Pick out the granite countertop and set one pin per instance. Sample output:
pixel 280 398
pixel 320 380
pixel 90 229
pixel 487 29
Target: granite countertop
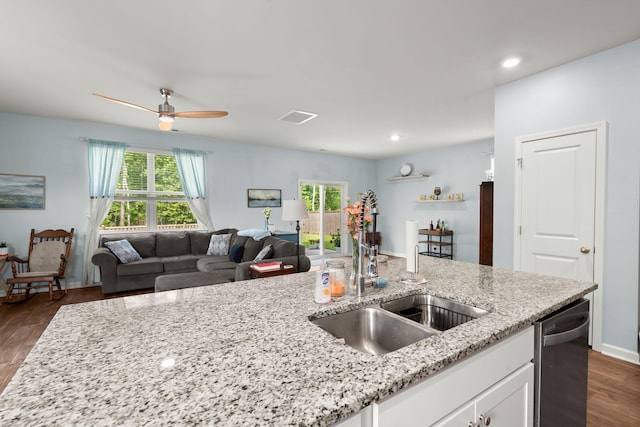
pixel 245 353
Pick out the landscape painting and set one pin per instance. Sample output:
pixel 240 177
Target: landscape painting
pixel 22 191
pixel 264 198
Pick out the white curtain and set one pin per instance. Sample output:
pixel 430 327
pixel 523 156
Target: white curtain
pixel 105 162
pixel 191 170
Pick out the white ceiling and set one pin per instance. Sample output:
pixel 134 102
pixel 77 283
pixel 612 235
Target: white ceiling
pixel 425 69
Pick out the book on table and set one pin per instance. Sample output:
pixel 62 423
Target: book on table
pixel 268 266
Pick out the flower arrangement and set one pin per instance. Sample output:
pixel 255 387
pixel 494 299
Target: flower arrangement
pixel 267 215
pixel 353 218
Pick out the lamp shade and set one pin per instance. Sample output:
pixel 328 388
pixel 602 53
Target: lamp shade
pixel 294 210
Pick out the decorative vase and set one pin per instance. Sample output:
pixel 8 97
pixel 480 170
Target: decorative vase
pixel 266 224
pixel 354 266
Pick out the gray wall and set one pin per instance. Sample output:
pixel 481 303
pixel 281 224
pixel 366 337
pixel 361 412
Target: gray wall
pixel 601 87
pixel 39 146
pixel 457 169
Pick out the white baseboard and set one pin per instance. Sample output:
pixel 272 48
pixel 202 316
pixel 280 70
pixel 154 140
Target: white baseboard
pixel 621 353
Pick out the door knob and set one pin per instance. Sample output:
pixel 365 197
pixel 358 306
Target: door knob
pixel 585 250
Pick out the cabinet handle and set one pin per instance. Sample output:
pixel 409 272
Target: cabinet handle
pixel 485 419
pixel 472 424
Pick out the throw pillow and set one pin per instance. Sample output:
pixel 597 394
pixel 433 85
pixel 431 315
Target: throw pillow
pixel 123 250
pixel 265 253
pixel 219 244
pixel 236 252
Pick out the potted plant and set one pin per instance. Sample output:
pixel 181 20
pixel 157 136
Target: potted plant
pixel 4 249
pixel 335 238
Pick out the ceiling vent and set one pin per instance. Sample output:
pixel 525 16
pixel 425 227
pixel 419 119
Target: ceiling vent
pixel 298 117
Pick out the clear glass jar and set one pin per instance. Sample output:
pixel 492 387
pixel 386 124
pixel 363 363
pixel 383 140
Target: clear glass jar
pixel 383 267
pixel 336 277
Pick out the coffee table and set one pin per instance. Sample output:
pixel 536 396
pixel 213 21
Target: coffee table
pixel 285 269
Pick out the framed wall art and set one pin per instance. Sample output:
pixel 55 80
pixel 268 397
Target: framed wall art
pixel 22 191
pixel 263 198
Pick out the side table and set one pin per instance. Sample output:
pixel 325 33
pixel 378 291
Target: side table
pixel 285 269
pixel 291 236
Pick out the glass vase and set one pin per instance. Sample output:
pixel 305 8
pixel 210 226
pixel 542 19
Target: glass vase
pixel 354 266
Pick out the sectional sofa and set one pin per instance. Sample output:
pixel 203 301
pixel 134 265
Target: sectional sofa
pixel 170 253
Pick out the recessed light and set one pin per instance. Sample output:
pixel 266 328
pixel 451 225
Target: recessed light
pixel 511 62
pixel 395 137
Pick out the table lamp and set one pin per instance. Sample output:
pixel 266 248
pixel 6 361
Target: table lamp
pixel 295 210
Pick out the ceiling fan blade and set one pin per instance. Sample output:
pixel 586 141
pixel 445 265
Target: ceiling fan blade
pixel 128 104
pixel 200 114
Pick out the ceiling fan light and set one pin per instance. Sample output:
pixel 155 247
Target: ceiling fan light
pixel 163 125
pixel 165 118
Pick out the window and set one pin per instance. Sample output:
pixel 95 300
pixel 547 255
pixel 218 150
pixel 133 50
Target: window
pixel 149 195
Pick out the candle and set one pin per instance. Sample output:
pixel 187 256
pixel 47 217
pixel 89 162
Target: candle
pixel 411 240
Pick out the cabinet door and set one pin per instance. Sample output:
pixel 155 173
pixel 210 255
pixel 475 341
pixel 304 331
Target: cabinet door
pixel 508 403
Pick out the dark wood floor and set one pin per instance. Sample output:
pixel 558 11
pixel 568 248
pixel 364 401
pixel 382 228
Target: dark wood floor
pixel 614 385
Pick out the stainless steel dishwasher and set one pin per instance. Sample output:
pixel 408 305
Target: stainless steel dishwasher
pixel 561 367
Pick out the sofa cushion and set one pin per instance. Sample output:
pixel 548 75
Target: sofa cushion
pixel 180 263
pixel 199 241
pixel 144 243
pixel 146 266
pixel 251 249
pixel 123 250
pixel 235 253
pixel 281 248
pixel 215 263
pixel 239 240
pixel 172 244
pixel 219 244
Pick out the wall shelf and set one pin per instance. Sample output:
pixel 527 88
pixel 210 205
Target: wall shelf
pixel 439 201
pixel 413 176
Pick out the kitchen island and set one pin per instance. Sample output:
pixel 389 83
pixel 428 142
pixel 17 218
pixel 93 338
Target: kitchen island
pixel 245 353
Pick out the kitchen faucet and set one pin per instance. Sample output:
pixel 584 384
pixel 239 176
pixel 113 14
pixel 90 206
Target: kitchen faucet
pixel 369 277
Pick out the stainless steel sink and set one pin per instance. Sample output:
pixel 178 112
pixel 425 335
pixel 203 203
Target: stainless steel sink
pixel 373 330
pixel 433 312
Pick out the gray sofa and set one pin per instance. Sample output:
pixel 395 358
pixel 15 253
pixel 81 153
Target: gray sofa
pixel 165 253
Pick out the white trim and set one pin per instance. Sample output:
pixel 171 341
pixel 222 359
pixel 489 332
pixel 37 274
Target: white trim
pixel 599 219
pixel 621 353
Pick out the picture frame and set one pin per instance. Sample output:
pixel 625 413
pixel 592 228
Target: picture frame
pixel 264 198
pixel 22 191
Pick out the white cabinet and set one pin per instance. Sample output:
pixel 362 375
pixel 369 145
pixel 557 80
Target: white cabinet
pixel 506 404
pixel 497 381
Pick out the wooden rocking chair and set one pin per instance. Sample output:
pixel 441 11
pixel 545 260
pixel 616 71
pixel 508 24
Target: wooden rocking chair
pixel 47 261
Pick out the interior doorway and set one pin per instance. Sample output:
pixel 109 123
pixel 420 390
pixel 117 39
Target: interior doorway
pixel 323 233
pixel 559 205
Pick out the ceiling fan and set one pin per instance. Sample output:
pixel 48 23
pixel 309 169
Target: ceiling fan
pixel 166 113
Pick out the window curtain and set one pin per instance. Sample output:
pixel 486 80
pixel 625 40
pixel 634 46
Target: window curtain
pixel 105 163
pixel 191 170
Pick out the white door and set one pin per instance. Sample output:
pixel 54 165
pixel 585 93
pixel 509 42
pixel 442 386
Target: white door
pixel 558 202
pixel 560 208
